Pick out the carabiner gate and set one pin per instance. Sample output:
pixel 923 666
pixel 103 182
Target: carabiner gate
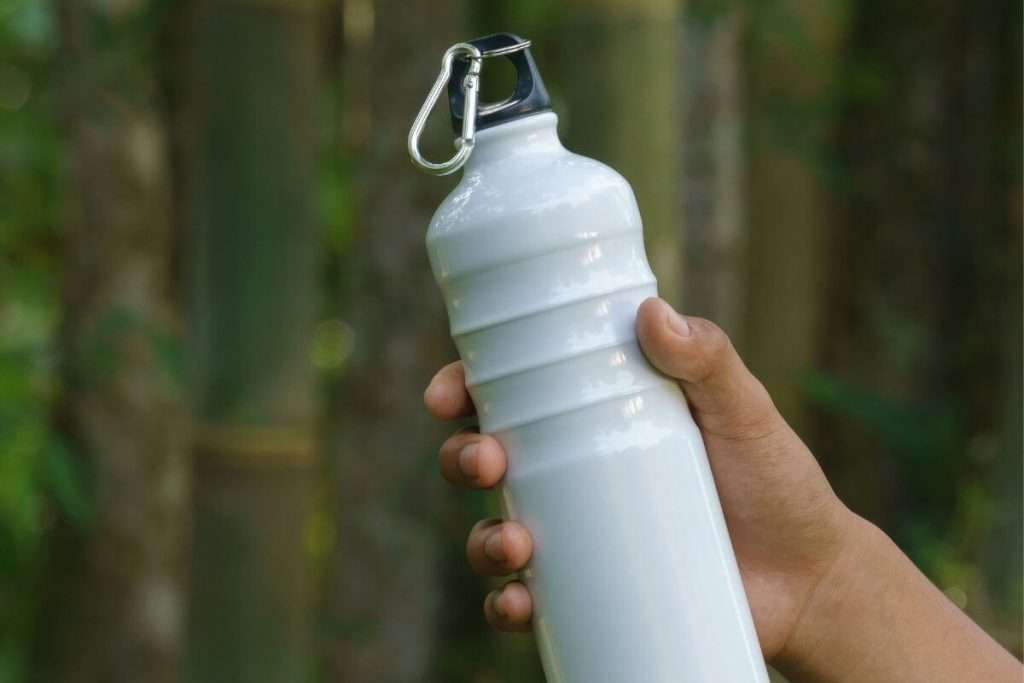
pixel 471 88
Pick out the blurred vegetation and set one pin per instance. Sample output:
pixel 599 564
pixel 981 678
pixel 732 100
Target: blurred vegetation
pixel 838 183
pixel 36 472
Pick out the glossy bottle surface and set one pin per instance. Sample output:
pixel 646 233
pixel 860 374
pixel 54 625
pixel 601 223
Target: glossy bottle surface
pixel 539 254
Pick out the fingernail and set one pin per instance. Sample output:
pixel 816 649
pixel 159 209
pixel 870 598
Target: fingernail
pixel 677 323
pixel 494 548
pixel 469 460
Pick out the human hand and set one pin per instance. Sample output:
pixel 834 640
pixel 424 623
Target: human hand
pixel 786 524
pixel 833 599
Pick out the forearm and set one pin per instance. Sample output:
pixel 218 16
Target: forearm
pixel 875 618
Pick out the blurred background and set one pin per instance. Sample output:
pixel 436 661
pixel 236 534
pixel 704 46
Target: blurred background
pixel 217 317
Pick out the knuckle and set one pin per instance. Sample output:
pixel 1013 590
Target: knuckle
pixel 447 464
pixel 718 342
pixel 447 473
pixel 495 619
pixel 762 414
pixel 475 556
pixel 717 350
pixel 454 442
pixel 481 526
pixel 447 448
pixel 477 537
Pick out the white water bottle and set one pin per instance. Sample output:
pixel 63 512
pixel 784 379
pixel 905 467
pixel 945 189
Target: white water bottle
pixel 539 254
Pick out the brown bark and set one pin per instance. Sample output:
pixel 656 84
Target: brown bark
pixel 623 107
pixel 249 147
pixel 790 71
pixel 714 164
pixel 925 295
pixel 120 614
pixel 384 615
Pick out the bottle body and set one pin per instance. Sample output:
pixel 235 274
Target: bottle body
pixel 539 254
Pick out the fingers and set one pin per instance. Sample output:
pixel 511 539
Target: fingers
pixel 725 397
pixel 446 397
pixel 510 608
pixel 496 548
pixel 472 460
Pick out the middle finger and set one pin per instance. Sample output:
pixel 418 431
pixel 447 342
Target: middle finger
pixel 472 460
pixel 496 548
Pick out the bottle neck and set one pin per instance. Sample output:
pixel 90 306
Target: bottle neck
pixel 530 135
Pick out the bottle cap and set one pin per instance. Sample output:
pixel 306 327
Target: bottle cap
pixel 529 97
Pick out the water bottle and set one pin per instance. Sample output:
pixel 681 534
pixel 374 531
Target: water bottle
pixel 540 257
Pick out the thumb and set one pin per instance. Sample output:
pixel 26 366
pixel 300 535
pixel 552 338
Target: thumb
pixel 725 398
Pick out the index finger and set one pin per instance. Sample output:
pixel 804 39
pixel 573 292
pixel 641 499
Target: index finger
pixel 446 397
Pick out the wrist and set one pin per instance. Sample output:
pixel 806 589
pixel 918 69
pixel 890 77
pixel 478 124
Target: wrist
pixel 819 643
pixel 874 617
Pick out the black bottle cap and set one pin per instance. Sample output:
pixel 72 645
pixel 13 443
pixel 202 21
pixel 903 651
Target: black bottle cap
pixel 529 96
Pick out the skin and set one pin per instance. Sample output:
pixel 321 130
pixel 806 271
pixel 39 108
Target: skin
pixel 833 599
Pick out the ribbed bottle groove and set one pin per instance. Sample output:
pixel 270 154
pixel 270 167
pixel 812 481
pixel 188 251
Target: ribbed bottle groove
pixel 493 428
pixel 522 288
pixel 527 312
pixel 473 382
pixel 593 236
pixel 581 380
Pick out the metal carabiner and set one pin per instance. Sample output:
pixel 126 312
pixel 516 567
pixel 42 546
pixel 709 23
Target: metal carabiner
pixel 471 88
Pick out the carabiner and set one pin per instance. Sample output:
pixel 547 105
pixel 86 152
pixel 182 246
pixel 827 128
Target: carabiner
pixel 471 87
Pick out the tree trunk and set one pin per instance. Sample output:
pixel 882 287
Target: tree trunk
pixel 926 306
pixel 791 73
pixel 384 615
pixel 253 84
pixel 714 193
pixel 120 612
pixel 624 107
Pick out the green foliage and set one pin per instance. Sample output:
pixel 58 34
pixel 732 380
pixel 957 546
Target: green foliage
pixel 38 477
pixel 949 512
